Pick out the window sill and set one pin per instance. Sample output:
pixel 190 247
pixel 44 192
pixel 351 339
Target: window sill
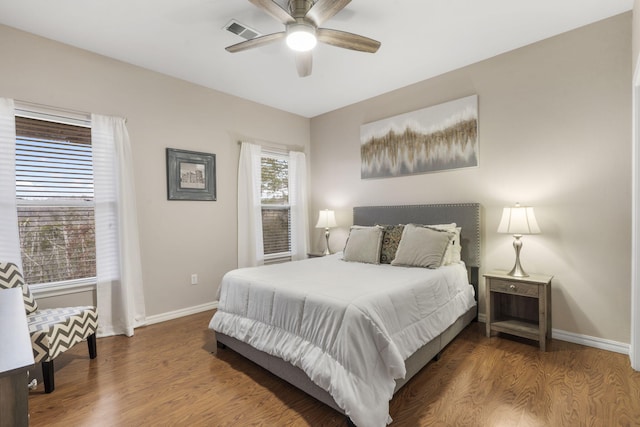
pixel 277 257
pixel 54 289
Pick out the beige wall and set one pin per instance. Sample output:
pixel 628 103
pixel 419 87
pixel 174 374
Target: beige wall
pixel 636 31
pixel 177 238
pixel 555 133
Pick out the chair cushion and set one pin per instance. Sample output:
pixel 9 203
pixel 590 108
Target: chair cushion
pixel 55 330
pixel 11 277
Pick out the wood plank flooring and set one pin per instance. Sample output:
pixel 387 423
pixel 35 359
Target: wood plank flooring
pixel 168 374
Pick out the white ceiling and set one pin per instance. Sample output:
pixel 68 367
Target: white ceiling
pixel 420 39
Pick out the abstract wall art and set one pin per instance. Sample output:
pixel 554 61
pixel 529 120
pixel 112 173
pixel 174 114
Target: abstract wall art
pixel 436 138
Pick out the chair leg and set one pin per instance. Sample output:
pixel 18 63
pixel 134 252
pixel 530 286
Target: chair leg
pixel 47 375
pixel 91 342
pixel 47 367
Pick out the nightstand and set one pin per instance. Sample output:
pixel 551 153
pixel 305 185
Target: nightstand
pixel 519 306
pixel 17 358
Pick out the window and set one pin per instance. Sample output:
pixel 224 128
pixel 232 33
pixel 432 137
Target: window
pixel 276 211
pixel 272 205
pixel 54 191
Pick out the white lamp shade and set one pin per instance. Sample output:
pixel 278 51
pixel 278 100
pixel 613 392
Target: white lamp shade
pixel 518 220
pixel 326 219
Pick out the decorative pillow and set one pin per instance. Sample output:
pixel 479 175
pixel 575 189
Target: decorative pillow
pixel 456 248
pixel 452 256
pixel 363 244
pixel 422 247
pixel 390 239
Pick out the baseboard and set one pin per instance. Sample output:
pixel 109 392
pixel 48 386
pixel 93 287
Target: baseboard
pixel 586 340
pixel 163 317
pixel 601 343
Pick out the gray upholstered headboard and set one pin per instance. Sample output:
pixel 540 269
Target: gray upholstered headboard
pixel 465 215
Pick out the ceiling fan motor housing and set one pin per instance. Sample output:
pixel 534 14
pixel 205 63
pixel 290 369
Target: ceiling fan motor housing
pixel 299 8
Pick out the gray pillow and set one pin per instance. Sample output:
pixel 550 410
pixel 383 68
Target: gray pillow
pixel 422 247
pixel 363 244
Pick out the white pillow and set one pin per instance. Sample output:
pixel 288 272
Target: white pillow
pixel 452 256
pixel 422 247
pixel 363 244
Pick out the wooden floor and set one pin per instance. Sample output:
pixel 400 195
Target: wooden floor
pixel 169 374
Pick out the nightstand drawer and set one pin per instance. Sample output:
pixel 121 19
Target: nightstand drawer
pixel 509 287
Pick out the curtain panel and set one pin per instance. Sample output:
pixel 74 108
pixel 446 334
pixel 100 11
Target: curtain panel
pixel 250 241
pixel 298 202
pixel 9 235
pixel 120 294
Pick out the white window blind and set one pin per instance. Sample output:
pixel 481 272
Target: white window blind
pixel 54 192
pixel 276 210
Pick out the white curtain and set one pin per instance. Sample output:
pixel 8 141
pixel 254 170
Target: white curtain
pixel 250 243
pixel 298 202
pixel 120 293
pixel 9 238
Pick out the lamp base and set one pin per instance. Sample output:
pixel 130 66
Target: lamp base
pixel 517 270
pixel 326 236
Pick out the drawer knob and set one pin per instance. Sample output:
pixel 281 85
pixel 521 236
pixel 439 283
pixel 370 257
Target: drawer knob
pixel 512 287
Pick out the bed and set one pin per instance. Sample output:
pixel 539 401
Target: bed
pixel 351 334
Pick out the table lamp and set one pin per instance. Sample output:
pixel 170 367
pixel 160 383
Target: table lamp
pixel 518 220
pixel 326 220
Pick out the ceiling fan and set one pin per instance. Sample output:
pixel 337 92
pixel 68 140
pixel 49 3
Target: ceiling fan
pixel 302 31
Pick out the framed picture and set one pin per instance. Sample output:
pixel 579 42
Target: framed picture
pixel 438 138
pixel 190 175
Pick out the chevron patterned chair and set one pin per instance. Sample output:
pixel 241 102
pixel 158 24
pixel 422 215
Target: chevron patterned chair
pixel 53 330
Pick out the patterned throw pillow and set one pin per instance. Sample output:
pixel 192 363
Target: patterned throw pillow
pixel 390 240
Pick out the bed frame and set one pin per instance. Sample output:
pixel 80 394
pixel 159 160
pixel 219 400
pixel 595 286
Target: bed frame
pixel 465 215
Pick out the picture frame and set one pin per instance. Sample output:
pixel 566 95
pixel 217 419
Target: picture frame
pixel 191 175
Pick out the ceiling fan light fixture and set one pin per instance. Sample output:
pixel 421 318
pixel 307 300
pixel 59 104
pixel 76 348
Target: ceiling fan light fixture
pixel 301 37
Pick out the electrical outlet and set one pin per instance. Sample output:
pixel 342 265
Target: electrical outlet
pixel 194 279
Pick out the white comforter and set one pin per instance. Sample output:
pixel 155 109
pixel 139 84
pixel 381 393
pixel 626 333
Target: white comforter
pixel 348 326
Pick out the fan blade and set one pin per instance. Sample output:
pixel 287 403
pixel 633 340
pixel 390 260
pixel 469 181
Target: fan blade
pixel 257 42
pixel 347 40
pixel 304 62
pixel 325 9
pixel 273 9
